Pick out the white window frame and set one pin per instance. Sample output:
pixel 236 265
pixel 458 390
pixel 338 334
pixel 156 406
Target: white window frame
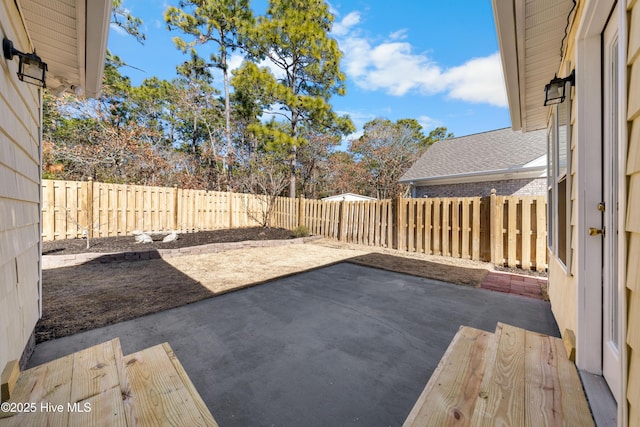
pixel 555 176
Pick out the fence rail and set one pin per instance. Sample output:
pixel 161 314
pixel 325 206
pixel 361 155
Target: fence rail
pixel 505 230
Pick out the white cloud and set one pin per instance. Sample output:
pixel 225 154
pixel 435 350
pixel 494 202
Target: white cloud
pixel 235 61
pixel 117 29
pixel 342 27
pixel 428 123
pixel 478 80
pixel 333 10
pixel 398 35
pixel 357 117
pixel 277 72
pixel 393 67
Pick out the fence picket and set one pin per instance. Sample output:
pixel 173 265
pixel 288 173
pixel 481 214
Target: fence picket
pixel 455 228
pixel 541 234
pixel 428 226
pixel 512 232
pixel 475 229
pixel 437 206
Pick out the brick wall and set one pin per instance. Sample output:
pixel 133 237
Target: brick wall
pixel 509 187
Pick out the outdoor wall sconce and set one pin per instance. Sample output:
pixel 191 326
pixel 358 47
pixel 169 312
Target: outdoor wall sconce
pixel 555 91
pixel 31 69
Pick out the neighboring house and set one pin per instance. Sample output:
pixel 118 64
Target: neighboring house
pixel 70 37
pixel 594 192
pixel 510 162
pixel 349 197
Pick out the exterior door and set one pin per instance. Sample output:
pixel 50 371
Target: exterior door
pixel 611 334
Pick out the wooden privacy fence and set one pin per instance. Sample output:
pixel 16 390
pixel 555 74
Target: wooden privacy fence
pixel 74 209
pixel 505 230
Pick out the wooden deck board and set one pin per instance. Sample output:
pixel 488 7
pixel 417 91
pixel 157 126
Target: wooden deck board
pixel 503 385
pixel 158 394
pixel 513 377
pixel 542 383
pixel 197 399
pixel 554 391
pixel 98 386
pixel 50 383
pixel 575 408
pixel 95 371
pixel 104 409
pixel 450 395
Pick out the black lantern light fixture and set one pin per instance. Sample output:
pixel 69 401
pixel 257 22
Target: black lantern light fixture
pixel 31 69
pixel 555 90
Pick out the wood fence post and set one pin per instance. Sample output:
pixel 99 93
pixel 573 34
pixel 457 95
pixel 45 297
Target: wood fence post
pixel 175 207
pixel 301 207
pixel 342 224
pixel 395 210
pixel 230 209
pixel 493 232
pixel 89 204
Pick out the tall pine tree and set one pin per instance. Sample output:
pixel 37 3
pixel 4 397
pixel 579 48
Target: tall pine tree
pixel 294 38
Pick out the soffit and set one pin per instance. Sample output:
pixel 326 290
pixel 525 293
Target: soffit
pixel 530 34
pixel 70 36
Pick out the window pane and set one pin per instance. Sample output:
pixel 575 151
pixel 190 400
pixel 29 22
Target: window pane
pixel 562 221
pixel 562 137
pixel 551 152
pixel 550 183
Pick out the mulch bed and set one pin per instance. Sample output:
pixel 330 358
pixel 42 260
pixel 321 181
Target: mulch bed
pixel 128 243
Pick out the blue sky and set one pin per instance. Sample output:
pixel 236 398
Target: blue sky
pixel 434 61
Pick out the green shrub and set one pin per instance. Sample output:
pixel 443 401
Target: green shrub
pixel 301 231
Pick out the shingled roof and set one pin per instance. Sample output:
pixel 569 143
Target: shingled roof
pixel 502 150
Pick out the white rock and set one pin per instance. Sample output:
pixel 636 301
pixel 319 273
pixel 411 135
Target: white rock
pixel 144 238
pixel 136 232
pixel 171 237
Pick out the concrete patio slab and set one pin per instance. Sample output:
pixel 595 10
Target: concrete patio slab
pixel 341 345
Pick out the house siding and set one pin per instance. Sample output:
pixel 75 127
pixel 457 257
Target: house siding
pixel 19 197
pixel 633 215
pixel 508 187
pixel 562 286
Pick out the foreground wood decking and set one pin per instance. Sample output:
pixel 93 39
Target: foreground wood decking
pixel 513 377
pixel 100 387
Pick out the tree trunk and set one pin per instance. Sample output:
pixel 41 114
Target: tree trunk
pixel 227 116
pixel 292 177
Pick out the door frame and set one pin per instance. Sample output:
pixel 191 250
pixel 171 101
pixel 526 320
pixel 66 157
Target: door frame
pixel 613 170
pixel 588 128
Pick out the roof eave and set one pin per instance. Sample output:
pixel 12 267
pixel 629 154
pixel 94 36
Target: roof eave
pixel 511 173
pixel 531 38
pixel 98 14
pixel 71 37
pixel 504 15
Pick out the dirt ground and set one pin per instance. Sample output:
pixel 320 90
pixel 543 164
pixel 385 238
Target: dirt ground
pixel 96 294
pixel 128 243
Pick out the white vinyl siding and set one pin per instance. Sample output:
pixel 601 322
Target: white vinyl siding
pixel 19 196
